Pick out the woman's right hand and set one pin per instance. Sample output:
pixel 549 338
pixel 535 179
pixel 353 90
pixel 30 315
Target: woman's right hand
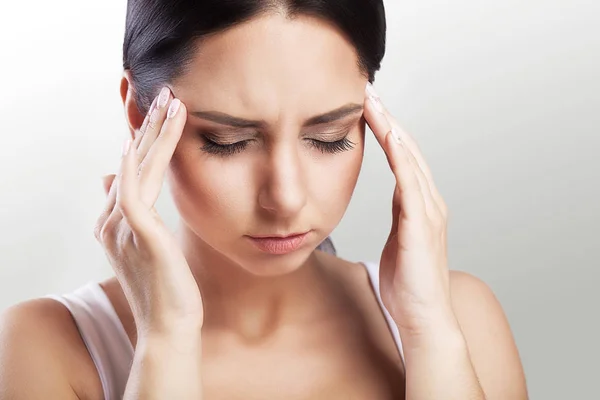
pixel 149 264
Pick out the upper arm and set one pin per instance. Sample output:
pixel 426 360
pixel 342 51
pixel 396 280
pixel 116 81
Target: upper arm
pixel 31 365
pixel 489 338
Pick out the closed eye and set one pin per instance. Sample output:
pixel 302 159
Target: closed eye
pixel 212 147
pixel 338 146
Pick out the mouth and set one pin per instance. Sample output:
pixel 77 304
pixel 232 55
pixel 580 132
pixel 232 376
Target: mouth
pixel 279 244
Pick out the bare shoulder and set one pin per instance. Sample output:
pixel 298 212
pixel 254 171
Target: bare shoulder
pixel 39 342
pixel 489 337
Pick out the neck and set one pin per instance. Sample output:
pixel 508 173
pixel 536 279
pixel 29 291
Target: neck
pixel 249 305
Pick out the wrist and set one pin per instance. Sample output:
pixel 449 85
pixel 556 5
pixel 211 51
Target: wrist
pixel 180 343
pixel 168 327
pixel 188 334
pixel 434 327
pixel 440 339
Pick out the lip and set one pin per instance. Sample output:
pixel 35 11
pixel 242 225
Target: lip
pixel 279 244
pixel 278 236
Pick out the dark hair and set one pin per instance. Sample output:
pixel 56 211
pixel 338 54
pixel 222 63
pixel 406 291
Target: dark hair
pixel 161 35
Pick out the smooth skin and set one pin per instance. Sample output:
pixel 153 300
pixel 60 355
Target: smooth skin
pixel 307 323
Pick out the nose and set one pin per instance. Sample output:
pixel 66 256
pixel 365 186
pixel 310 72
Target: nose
pixel 283 191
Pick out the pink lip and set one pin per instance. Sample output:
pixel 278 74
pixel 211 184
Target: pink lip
pixel 279 245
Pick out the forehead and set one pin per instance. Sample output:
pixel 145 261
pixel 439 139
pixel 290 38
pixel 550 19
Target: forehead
pixel 273 67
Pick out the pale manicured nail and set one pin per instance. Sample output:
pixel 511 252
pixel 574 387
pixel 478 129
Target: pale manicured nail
pixel 371 90
pixel 374 99
pixel 163 97
pixel 173 108
pixel 377 104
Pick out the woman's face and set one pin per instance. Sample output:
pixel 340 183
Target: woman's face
pixel 255 158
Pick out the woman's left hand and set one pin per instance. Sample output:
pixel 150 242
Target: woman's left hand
pixel 414 275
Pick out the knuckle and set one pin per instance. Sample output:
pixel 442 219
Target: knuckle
pixel 107 232
pixel 100 222
pixel 127 210
pixel 124 208
pixel 152 122
pixel 142 166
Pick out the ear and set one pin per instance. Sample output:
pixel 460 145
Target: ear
pixel 132 114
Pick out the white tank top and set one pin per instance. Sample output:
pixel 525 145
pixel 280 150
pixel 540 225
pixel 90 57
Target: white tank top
pixel 109 345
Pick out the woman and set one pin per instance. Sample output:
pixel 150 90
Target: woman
pixel 256 111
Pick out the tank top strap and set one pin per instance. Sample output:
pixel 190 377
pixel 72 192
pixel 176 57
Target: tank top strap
pixel 103 335
pixel 373 271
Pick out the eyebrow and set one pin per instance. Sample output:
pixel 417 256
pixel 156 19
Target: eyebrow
pixel 229 120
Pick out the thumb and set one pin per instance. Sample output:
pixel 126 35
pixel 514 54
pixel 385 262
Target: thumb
pixel 107 181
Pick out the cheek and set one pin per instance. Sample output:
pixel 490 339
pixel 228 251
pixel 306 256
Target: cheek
pixel 209 192
pixel 335 178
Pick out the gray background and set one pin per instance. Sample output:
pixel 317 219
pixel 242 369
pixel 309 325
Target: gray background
pixel 502 96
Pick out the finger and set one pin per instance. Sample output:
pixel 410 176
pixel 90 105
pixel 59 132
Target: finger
pixel 146 119
pixel 374 113
pixel 139 134
pixel 109 205
pixel 160 154
pixel 111 199
pixel 412 201
pixel 154 123
pixel 408 190
pixel 127 187
pixel 414 148
pixel 431 207
pixel 381 114
pixel 109 211
pixel 107 182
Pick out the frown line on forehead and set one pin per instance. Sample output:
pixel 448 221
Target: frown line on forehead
pixel 236 122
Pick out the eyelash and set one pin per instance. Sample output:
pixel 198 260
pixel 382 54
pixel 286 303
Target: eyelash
pixel 338 146
pixel 223 149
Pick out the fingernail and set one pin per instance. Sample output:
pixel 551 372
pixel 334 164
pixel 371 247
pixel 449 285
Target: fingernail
pixel 377 104
pixel 163 97
pixel 371 90
pixel 173 108
pixel 126 145
pixel 396 136
pixel 374 99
